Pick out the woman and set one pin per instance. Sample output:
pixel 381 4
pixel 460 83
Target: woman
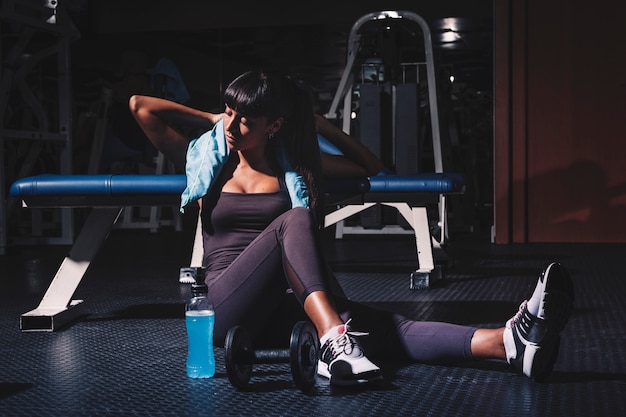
pixel 258 175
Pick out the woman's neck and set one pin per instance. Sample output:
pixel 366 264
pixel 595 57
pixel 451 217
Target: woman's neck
pixel 254 160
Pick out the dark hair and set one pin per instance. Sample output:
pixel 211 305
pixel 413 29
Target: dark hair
pixel 261 94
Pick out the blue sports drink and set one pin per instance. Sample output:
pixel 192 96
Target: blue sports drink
pixel 200 356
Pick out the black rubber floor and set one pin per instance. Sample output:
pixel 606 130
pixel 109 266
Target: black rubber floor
pixel 127 356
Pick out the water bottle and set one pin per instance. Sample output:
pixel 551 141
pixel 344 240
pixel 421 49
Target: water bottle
pixel 200 320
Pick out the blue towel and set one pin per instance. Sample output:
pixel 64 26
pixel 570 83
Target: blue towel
pixel 206 156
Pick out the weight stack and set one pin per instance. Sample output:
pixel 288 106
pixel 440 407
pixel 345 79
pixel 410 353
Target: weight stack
pixel 370 136
pixel 407 150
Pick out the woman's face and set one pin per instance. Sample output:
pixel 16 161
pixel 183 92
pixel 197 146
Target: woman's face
pixel 245 133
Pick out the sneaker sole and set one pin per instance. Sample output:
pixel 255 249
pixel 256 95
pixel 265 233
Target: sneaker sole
pixel 558 293
pixel 322 369
pixel 544 360
pixel 362 379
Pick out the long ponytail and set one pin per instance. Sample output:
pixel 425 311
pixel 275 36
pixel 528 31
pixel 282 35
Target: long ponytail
pixel 302 146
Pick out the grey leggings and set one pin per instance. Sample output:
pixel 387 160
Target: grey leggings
pixel 266 285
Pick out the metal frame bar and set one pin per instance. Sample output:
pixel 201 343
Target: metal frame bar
pixel 354 40
pixel 345 88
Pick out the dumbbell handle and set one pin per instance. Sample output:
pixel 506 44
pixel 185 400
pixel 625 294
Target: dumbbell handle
pixel 266 356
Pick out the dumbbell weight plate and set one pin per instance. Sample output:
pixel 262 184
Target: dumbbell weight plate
pixel 303 349
pixel 237 356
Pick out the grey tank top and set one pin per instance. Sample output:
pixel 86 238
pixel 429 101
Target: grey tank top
pixel 230 221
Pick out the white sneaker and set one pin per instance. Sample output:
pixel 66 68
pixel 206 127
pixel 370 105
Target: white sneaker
pixel 342 359
pixel 531 337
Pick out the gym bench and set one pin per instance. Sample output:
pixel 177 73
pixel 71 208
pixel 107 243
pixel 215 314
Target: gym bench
pixel 108 194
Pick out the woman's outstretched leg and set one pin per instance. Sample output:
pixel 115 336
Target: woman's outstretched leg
pixel 529 341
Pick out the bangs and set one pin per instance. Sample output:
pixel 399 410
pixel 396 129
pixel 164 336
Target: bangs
pixel 249 97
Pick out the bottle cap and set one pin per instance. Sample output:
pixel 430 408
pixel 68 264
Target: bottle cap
pixel 199 288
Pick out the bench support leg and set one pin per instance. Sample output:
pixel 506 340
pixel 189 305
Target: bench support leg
pixel 188 275
pixel 417 217
pixel 57 307
pixel 345 212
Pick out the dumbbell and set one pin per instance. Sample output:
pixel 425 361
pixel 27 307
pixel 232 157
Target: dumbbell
pixel 302 355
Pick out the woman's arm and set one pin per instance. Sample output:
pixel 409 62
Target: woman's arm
pixel 357 159
pixel 164 123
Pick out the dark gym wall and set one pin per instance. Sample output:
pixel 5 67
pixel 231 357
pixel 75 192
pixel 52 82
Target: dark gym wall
pixel 184 15
pixel 560 121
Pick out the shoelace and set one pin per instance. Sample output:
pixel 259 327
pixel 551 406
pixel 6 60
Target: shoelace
pixel 513 320
pixel 345 342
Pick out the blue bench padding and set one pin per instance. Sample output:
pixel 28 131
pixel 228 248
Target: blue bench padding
pixel 138 186
pixel 422 183
pixel 100 184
